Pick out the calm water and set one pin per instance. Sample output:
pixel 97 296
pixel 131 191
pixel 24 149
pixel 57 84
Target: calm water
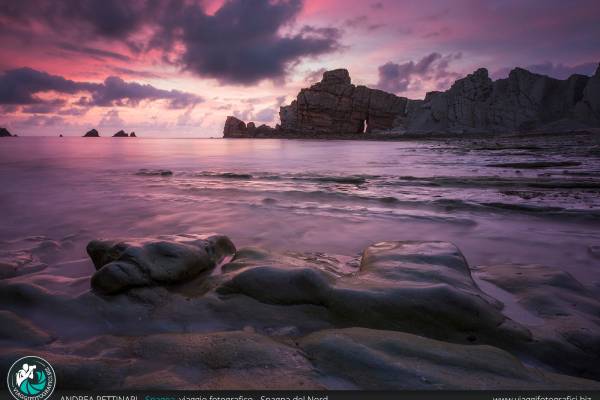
pixel 329 196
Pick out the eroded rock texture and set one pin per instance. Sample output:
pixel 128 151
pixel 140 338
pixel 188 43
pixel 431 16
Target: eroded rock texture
pixel 334 105
pixel 235 128
pixel 524 101
pixel 403 315
pixel 125 264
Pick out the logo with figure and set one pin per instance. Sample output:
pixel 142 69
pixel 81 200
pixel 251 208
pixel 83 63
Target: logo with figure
pixel 31 378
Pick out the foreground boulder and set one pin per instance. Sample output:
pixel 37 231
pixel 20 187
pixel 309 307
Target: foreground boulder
pixel 148 262
pixel 426 288
pixel 420 287
pixel 92 133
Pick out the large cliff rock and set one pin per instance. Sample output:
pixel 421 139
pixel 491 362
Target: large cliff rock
pixel 335 106
pixel 524 101
pixel 4 132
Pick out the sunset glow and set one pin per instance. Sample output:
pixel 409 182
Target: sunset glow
pixel 176 68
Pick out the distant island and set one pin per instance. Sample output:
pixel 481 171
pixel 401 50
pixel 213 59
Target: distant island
pixel 121 133
pixel 523 102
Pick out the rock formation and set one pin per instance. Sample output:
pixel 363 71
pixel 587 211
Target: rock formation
pixel 524 101
pixel 123 265
pixel 4 132
pixel 121 133
pixel 132 134
pixel 92 133
pixel 235 128
pixel 404 315
pixel 334 105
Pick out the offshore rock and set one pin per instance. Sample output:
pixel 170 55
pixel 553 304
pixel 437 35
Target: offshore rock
pixel 92 133
pixel 4 132
pixel 121 133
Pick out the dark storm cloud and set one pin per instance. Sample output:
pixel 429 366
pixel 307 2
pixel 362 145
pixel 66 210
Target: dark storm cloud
pixel 98 53
pixel 45 107
pixel 241 43
pixel 19 86
pixel 116 92
pixel 396 78
pixel 107 18
pixel 22 87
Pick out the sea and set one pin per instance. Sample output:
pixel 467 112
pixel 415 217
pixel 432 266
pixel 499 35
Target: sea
pixel 500 200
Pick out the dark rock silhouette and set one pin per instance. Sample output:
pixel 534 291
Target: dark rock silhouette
pixel 524 101
pixel 334 105
pixel 4 132
pixel 132 134
pixel 121 133
pixel 92 133
pixel 60 135
pixel 235 128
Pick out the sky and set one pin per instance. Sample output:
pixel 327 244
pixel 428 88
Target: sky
pixel 178 68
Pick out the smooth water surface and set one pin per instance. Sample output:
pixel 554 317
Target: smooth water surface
pixel 324 196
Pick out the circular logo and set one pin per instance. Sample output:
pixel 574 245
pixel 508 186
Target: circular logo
pixel 31 378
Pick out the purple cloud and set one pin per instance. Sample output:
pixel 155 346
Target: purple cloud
pixel 397 78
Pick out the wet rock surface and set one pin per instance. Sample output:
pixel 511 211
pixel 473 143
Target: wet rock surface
pixel 192 312
pixel 121 265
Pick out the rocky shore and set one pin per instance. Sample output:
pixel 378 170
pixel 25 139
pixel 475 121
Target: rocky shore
pixel 524 102
pixel 192 311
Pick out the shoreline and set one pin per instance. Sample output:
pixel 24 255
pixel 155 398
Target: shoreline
pixel 376 137
pixel 424 136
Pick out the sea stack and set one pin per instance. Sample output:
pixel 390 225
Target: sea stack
pixel 121 133
pixel 92 133
pixel 4 132
pixel 132 134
